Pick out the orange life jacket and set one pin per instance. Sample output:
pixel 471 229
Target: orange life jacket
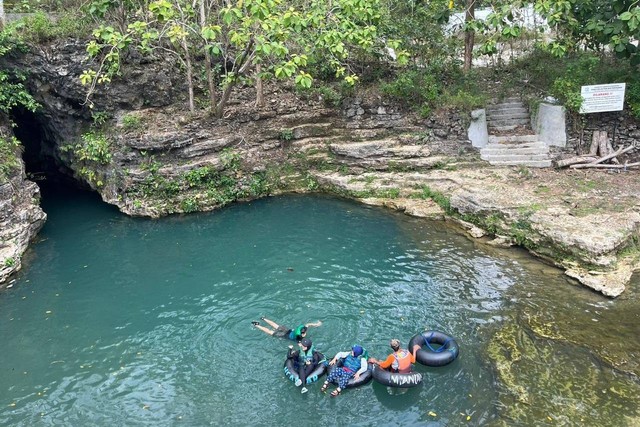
pixel 402 363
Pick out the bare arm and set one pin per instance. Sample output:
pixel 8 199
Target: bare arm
pixel 340 355
pixel 415 350
pixel 363 367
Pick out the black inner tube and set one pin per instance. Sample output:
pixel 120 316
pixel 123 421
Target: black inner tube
pixel 396 379
pixel 445 354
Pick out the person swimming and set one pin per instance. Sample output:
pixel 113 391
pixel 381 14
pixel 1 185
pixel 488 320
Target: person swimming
pixel 281 331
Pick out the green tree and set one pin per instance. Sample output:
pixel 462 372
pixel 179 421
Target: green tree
pixel 13 94
pixel 593 24
pixel 276 36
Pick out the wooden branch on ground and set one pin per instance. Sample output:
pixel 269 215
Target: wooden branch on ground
pixel 574 160
pixel 618 152
pixel 610 150
pixel 621 150
pixel 601 166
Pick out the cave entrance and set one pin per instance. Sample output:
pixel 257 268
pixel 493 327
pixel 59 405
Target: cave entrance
pixel 42 163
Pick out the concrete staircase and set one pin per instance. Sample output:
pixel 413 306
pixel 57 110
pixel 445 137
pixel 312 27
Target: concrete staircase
pixel 511 140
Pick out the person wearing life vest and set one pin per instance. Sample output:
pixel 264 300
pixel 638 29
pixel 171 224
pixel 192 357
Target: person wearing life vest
pixel 280 331
pixel 398 361
pixel 353 365
pixel 306 360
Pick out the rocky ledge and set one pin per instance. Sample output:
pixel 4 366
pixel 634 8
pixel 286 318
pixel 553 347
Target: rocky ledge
pixel 20 220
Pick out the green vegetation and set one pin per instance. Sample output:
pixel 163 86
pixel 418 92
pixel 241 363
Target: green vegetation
pixel 286 135
pixel 439 198
pixel 432 88
pixel 9 262
pixel 13 94
pixel 9 157
pixel 92 152
pixel 131 122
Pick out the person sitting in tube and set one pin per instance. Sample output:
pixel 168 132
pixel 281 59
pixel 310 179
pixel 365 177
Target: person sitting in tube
pixel 353 365
pixel 400 360
pixel 306 360
pixel 280 331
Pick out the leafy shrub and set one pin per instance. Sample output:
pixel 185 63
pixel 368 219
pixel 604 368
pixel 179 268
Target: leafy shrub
pixel 95 147
pixel 131 122
pixel 230 159
pixel 286 135
pixel 8 157
pixel 413 88
pixel 633 98
pixel 39 27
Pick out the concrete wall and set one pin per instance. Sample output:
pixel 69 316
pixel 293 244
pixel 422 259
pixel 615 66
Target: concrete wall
pixel 478 133
pixel 549 123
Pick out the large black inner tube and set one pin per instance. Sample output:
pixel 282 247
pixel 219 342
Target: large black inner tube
pixel 396 379
pixel 364 378
pixel 292 373
pixel 446 353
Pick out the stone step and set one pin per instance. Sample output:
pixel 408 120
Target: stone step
pixel 511 139
pixel 491 151
pixel 513 157
pixel 508 116
pixel 507 122
pixel 508 107
pixel 503 128
pixel 511 145
pixel 511 112
pixel 505 105
pixel 530 163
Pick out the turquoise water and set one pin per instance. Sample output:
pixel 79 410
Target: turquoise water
pixel 124 321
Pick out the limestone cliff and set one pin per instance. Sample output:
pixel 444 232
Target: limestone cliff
pixel 20 214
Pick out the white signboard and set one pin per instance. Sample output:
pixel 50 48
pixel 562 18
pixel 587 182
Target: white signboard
pixel 601 98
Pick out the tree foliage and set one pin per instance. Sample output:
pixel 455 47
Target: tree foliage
pixel 12 90
pixel 278 36
pixel 595 23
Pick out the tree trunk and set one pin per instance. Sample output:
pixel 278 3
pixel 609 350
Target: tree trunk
pixel 469 35
pixel 187 58
pixel 595 143
pixel 601 136
pixel 207 62
pixel 239 67
pixel 259 89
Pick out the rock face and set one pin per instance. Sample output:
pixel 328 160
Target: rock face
pixel 162 160
pixel 20 220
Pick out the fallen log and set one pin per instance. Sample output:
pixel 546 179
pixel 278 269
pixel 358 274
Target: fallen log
pixel 574 160
pixel 620 150
pixel 601 166
pixel 610 150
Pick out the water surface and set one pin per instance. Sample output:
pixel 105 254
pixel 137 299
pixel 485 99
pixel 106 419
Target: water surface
pixel 124 321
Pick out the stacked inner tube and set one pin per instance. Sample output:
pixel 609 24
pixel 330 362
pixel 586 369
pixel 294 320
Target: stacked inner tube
pixel 446 353
pixel 364 378
pixel 292 373
pixel 396 379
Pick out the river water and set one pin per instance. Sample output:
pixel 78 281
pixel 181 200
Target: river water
pixel 138 322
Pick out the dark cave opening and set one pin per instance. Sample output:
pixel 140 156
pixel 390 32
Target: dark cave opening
pixel 40 154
